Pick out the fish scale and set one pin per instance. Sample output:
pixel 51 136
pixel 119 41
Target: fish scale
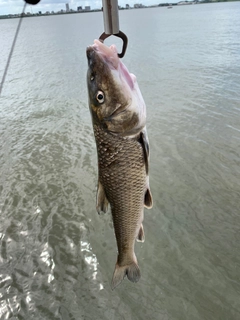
pixel 123 176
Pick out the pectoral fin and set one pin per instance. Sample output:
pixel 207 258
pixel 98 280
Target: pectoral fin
pixel 145 145
pixel 102 202
pixel 148 203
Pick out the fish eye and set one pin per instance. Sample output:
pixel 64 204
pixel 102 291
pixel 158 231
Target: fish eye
pixel 92 77
pixel 100 96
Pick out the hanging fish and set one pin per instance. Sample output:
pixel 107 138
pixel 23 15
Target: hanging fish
pixel 119 117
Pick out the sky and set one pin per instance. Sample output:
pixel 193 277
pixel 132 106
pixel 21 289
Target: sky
pixel 16 6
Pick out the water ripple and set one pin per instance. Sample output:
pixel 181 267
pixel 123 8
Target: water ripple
pixel 57 255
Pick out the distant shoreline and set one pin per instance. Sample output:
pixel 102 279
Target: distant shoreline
pixel 181 3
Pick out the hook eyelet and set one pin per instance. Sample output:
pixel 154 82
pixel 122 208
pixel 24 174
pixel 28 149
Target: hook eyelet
pixel 121 35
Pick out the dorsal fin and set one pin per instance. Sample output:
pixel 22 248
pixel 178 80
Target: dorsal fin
pixel 102 202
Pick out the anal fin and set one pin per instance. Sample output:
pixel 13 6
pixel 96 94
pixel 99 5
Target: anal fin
pixel 102 201
pixel 141 237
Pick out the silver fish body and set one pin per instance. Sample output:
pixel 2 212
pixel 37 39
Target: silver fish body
pixel 118 115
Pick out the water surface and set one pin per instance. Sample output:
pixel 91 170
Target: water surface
pixel 57 255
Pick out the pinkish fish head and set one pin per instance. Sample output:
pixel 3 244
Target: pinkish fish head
pixel 115 100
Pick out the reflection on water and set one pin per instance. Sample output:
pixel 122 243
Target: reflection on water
pixel 57 255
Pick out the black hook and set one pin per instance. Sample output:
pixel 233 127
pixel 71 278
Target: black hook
pixel 119 35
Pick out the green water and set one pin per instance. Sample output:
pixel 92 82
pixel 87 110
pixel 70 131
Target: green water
pixel 57 255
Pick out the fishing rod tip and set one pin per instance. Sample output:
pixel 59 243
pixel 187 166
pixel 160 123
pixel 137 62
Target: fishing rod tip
pixel 32 1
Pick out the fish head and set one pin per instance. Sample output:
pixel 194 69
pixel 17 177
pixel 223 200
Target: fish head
pixel 115 101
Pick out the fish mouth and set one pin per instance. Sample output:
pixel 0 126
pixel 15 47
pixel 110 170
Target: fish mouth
pixel 109 56
pixel 91 56
pixel 106 54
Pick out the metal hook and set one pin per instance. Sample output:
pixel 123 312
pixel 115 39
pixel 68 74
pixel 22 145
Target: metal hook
pixel 121 35
pixel 111 24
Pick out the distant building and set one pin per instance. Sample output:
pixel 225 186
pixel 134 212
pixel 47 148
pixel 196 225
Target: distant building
pixel 67 7
pixel 184 2
pixel 79 8
pixel 87 8
pixel 138 5
pixel 127 6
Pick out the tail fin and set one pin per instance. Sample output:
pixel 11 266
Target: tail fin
pixel 131 270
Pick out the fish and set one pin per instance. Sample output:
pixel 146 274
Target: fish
pixel 118 114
